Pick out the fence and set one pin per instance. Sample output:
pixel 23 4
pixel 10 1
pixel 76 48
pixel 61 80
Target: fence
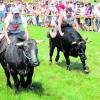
pixel 82 24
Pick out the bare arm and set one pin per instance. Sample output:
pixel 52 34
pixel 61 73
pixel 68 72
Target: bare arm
pixel 60 20
pixel 24 23
pixel 76 25
pixel 26 34
pixel 6 34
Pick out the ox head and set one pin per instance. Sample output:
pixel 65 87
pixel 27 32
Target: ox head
pixel 30 51
pixel 80 47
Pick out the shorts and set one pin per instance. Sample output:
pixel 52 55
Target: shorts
pixel 20 35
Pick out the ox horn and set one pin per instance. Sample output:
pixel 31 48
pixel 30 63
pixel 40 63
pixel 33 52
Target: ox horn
pixel 20 44
pixel 40 41
pixel 81 42
pixel 74 42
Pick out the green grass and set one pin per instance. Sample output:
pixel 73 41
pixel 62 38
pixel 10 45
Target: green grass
pixel 40 0
pixel 54 82
pixel 27 0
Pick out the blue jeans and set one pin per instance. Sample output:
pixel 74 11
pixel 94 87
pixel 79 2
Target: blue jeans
pixel 19 35
pixel 37 20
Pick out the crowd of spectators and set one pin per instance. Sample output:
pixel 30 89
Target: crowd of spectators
pixel 46 12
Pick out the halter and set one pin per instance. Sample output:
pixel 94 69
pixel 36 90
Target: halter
pixel 29 58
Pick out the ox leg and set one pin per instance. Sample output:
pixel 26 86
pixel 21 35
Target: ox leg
pixel 7 73
pixel 67 61
pixel 86 70
pixel 29 78
pixel 22 81
pixel 51 53
pixel 57 57
pixel 16 80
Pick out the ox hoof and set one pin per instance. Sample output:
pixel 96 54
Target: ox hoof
pixel 68 68
pixel 9 85
pixel 29 86
pixel 50 62
pixel 86 71
pixel 16 92
pixel 56 60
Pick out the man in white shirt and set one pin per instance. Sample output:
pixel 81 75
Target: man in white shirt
pixel 15 24
pixel 97 16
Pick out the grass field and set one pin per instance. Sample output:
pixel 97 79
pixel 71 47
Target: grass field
pixel 63 0
pixel 40 0
pixel 54 82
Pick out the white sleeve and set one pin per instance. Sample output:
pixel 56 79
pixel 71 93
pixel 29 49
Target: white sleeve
pixel 24 22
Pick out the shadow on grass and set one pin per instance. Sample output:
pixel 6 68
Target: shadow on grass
pixel 36 87
pixel 73 65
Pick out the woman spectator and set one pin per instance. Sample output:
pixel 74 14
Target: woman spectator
pixel 2 12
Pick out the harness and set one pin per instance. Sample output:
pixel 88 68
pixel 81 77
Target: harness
pixel 25 55
pixel 27 59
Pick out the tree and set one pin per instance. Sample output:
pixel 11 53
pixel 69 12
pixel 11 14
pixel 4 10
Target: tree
pixel 94 0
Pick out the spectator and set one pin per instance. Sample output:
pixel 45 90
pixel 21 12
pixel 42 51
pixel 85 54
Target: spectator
pixel 78 13
pixel 97 15
pixel 2 12
pixel 88 15
pixel 60 6
pixel 45 10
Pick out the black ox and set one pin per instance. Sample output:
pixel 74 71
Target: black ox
pixel 71 44
pixel 19 59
